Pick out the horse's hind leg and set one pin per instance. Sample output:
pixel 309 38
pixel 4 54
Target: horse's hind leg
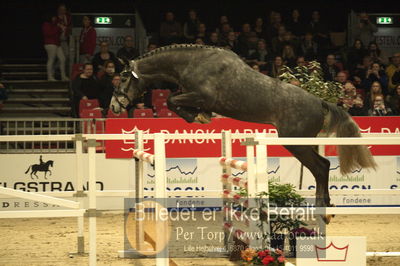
pixel 319 167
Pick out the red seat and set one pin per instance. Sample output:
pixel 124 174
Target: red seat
pixel 160 104
pixel 88 104
pixel 159 94
pixel 76 70
pixel 143 113
pixel 164 112
pixel 90 113
pixel 110 114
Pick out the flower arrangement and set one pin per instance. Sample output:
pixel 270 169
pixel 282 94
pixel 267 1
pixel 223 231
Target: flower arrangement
pixel 310 78
pixel 263 257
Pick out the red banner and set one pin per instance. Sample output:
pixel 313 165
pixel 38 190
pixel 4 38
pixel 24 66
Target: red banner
pixel 212 148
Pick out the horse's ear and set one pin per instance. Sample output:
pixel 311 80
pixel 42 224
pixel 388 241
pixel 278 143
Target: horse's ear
pixel 121 61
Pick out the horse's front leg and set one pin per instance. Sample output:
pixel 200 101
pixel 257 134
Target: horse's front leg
pixel 188 106
pixel 49 171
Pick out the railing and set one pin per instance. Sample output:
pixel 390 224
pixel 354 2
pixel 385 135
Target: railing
pixel 49 126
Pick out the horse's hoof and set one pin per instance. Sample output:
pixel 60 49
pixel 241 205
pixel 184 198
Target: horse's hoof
pixel 202 119
pixel 327 218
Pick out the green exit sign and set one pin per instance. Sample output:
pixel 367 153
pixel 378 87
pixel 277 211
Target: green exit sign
pixel 103 20
pixel 384 20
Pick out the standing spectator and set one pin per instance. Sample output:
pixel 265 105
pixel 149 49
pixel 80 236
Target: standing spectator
pixel 329 68
pixel 275 23
pixel 170 30
pixel 375 73
pixel 394 101
pixel 106 86
pixel 190 26
pixel 355 55
pixel 51 34
pixel 391 69
pixel 288 56
pixel 278 41
pixel 259 29
pixel 364 30
pixel 84 87
pixel 309 48
pixel 276 67
pixel 379 107
pixel 262 56
pixel 244 38
pixel 376 54
pixel 87 40
pixel 295 25
pixel 232 42
pixel 320 31
pixel 64 22
pixel 128 51
pixel 101 57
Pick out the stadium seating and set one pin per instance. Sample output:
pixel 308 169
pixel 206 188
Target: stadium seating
pixel 143 113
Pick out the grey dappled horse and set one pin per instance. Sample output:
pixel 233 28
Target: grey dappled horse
pixel 216 80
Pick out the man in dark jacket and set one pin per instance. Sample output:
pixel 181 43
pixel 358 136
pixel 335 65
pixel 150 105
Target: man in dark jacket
pixel 128 51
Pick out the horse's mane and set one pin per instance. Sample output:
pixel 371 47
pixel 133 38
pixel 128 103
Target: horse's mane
pixel 176 47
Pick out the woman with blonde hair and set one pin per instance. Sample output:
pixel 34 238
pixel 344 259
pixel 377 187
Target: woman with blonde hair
pixel 288 55
pixel 375 89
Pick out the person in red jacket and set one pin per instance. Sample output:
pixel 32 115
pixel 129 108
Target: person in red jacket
pixel 87 41
pixel 51 34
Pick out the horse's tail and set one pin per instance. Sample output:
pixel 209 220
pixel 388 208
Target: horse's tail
pixel 350 156
pixel 28 169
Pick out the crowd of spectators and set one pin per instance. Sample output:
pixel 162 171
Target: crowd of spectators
pixel 371 79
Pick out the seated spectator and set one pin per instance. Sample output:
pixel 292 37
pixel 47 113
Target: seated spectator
pixel 255 67
pixel 379 107
pixel 199 41
pixel 364 29
pixel 289 56
pixel 375 73
pixel 259 29
pixel 202 32
pixel 300 61
pixel 170 30
pixel 394 101
pixel 151 47
pixel 352 101
pixel 276 67
pixel 261 57
pixel 376 54
pixel 128 51
pixel 101 57
pixel 232 43
pixel 190 26
pixel 390 70
pixel 341 77
pixel 84 87
pixel 224 32
pixel 295 25
pixel 106 85
pixel 275 23
pixel 358 109
pixel 309 48
pixel 107 95
pixel 214 39
pixel 329 68
pixel 375 89
pixel 51 35
pixel 87 41
pixel 222 20
pixel 355 55
pixel 361 70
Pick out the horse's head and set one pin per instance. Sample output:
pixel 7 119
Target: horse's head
pixel 50 163
pixel 129 89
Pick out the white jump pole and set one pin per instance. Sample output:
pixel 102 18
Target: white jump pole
pixel 139 187
pixel 226 144
pixel 161 196
pixel 79 191
pixel 92 202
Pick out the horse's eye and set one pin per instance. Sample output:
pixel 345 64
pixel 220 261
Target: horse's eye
pixel 123 79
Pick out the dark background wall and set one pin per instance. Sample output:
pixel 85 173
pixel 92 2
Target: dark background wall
pixel 20 21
